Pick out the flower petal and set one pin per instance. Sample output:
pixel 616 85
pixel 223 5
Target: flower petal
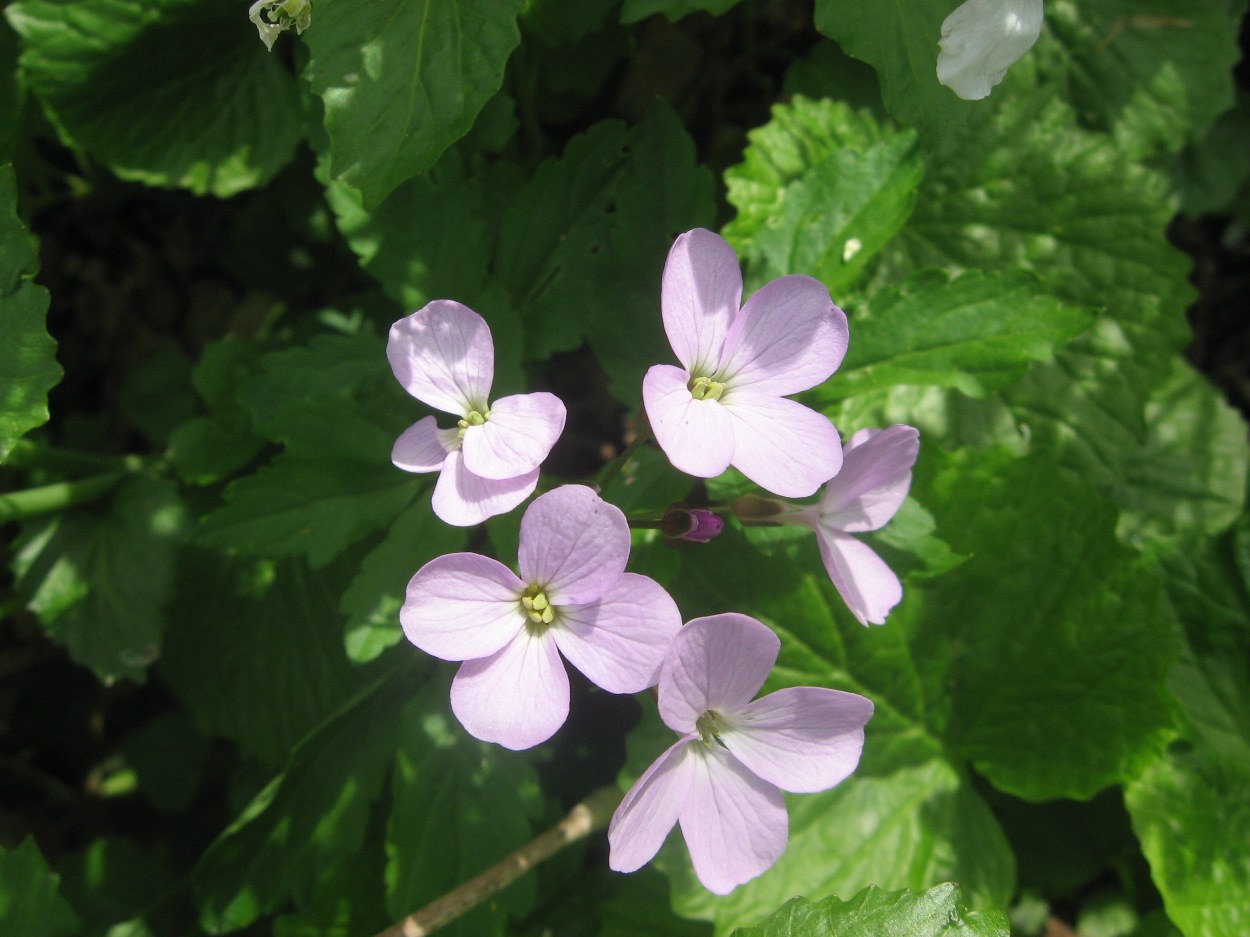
pixel 875 478
pixel 516 438
pixel 700 296
pixel 735 823
pixel 463 499
pixel 443 355
pixel 696 435
pixel 461 605
pixel 719 663
pixel 981 39
pixel 620 641
pixel 788 337
pixel 867 586
pixel 422 447
pixel 781 445
pixel 650 809
pixel 802 739
pixel 517 697
pixel 573 544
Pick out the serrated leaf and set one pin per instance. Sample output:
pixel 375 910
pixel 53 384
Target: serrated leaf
pixel 1193 819
pixel 307 507
pixel 403 81
pixel 1071 698
pixel 821 191
pixel 28 367
pixel 170 93
pixel 308 822
pixel 98 577
pixel 30 901
pixel 373 600
pixel 583 246
pixel 933 913
pixel 459 806
pixel 976 333
pixel 254 650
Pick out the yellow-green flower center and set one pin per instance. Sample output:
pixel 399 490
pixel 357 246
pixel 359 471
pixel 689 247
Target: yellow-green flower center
pixel 472 418
pixel 536 607
pixel 709 728
pixel 704 388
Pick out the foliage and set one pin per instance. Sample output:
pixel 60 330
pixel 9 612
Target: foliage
pixel 212 721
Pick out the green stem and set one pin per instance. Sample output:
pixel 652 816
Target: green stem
pixel 614 467
pixel 590 816
pixel 19 505
pixel 28 454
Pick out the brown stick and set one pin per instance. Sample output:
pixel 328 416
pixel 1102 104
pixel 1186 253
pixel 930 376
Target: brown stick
pixel 590 815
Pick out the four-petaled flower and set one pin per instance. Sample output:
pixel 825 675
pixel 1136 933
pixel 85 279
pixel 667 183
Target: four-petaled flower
pixel 573 597
pixel 443 355
pixel 722 780
pixel 727 404
pixel 981 39
pixel 874 480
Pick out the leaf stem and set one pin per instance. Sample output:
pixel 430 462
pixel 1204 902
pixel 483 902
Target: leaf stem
pixel 28 454
pixel 20 505
pixel 614 467
pixel 591 815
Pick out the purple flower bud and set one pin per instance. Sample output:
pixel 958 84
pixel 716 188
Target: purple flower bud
pixel 684 524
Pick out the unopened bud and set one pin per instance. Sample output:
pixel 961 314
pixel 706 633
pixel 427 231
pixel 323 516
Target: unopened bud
pixel 684 524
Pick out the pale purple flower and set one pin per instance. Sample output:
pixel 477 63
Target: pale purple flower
pixel 981 39
pixel 874 480
pixel 573 597
pixel 727 404
pixel 488 464
pixel 722 780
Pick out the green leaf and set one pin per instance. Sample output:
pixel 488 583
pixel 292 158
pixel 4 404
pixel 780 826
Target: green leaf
pixel 459 806
pixel 168 756
pixel 938 911
pixel 114 879
pixel 372 602
pixel 820 192
pixel 1071 697
pixel 308 507
pixel 30 901
pixel 403 81
pixel 634 10
pixel 255 652
pixel 1192 817
pixel 10 103
pixel 976 333
pixel 98 577
pixel 640 906
pixel 308 822
pixel 170 93
pixel 583 246
pixel 28 368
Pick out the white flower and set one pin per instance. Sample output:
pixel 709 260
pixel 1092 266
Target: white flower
pixel 982 39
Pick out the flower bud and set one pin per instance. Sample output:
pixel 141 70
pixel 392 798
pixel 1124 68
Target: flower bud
pixel 683 524
pixel 757 511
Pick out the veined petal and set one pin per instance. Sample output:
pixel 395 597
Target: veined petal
pixel 463 499
pixel 573 544
pixel 619 642
pixel 650 809
pixel 802 739
pixel 867 585
pixel 875 478
pixel 516 438
pixel 781 445
pixel 462 605
pixel 699 298
pixel 518 697
pixel 981 39
pixel 443 355
pixel 696 435
pixel 422 447
pixel 788 337
pixel 719 663
pixel 735 823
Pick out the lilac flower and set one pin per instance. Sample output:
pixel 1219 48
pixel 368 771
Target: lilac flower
pixel 722 780
pixel 727 404
pixel 981 39
pixel 573 597
pixel 443 355
pixel 874 480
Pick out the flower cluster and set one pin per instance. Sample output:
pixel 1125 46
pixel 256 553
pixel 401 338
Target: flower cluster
pixel 571 598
